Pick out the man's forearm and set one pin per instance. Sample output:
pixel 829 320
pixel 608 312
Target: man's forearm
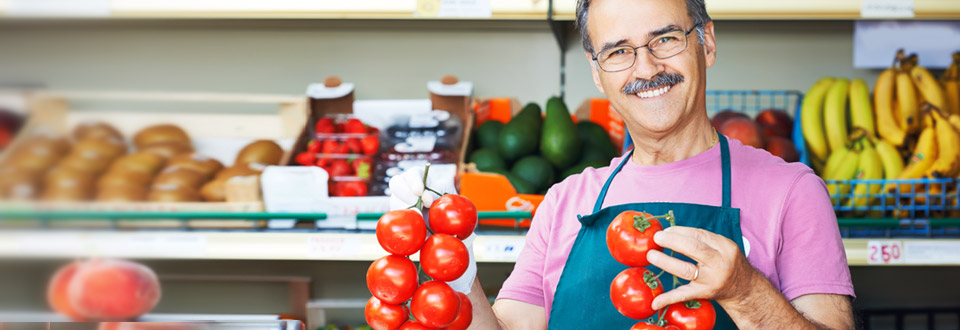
pixel 483 316
pixel 763 307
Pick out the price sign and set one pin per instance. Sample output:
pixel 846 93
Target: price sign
pixel 884 252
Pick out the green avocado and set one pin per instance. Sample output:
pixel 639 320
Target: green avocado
pixel 521 135
pixel 486 159
pixel 596 142
pixel 535 170
pixel 560 139
pixel 488 134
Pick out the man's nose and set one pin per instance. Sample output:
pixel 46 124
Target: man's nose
pixel 647 66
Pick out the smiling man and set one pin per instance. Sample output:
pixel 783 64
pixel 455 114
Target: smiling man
pixel 755 236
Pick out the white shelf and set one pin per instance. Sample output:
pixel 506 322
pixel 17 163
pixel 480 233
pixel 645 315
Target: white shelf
pixel 338 246
pixel 224 245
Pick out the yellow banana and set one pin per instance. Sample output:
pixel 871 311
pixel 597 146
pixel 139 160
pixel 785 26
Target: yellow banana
pixel 890 157
pixel 951 85
pixel 907 99
pixel 861 113
pixel 951 89
pixel 892 166
pixel 888 122
pixel 834 161
pixel 924 155
pixel 869 167
pixel 955 121
pixel 928 87
pixel 811 117
pixel 835 114
pixel 948 149
pixel 845 169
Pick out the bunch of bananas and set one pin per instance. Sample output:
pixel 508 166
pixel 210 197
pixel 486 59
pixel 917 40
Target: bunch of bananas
pixel 912 114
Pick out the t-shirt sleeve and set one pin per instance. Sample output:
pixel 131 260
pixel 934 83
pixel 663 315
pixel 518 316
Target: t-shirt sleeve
pixel 525 282
pixel 811 257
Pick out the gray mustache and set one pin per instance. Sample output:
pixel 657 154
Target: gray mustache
pixel 660 80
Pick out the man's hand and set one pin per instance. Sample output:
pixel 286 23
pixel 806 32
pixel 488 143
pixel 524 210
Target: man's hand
pixel 722 272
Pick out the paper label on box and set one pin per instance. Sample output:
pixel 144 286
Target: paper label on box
pixel 343 246
pixel 59 8
pixel 928 252
pixel 884 252
pixel 886 8
pixel 293 188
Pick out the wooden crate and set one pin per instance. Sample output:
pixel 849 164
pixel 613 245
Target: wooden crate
pixel 219 134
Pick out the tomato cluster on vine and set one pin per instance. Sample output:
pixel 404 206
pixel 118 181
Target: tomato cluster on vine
pixel 400 300
pixel 629 238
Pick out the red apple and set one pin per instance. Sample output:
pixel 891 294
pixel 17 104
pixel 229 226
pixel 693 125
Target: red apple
pixel 782 148
pixel 775 122
pixel 721 117
pixel 744 130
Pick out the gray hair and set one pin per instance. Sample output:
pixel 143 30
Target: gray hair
pixel 695 8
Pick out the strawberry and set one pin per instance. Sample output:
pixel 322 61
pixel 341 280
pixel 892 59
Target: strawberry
pixel 306 158
pixel 324 125
pixel 355 126
pixel 353 146
pixel 362 167
pixel 314 146
pixel 350 189
pixel 330 147
pixel 339 167
pixel 370 144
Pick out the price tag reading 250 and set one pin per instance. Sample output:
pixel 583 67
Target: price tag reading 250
pixel 884 252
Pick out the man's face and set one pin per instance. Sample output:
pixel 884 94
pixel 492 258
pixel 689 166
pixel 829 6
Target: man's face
pixel 635 23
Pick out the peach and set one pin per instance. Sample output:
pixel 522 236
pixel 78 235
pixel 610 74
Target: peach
pixel 744 130
pixel 721 117
pixel 57 291
pixel 775 122
pixel 108 289
pixel 782 148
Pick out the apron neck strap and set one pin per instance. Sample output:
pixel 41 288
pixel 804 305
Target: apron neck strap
pixel 724 165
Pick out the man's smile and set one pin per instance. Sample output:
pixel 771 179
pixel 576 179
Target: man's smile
pixel 647 94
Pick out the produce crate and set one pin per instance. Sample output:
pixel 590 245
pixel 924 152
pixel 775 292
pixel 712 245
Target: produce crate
pixel 900 208
pixel 219 125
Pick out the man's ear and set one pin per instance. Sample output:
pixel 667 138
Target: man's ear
pixel 595 71
pixel 709 44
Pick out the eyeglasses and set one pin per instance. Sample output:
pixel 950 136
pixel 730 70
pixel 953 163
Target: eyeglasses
pixel 663 46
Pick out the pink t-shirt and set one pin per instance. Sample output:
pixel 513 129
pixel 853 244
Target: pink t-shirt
pixel 789 227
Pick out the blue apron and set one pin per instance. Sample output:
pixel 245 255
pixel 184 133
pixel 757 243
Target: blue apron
pixel 583 293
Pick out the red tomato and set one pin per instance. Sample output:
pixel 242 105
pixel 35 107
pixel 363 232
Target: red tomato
pixel 692 315
pixel 444 257
pixel 453 215
pixel 648 326
pixel 630 236
pixel 435 304
pixel 464 317
pixel 414 325
pixel 314 146
pixel 392 279
pixel 401 232
pixel 306 158
pixel 370 144
pixel 324 125
pixel 340 167
pixel 330 147
pixel 632 292
pixel 350 189
pixel 381 316
pixel 354 126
